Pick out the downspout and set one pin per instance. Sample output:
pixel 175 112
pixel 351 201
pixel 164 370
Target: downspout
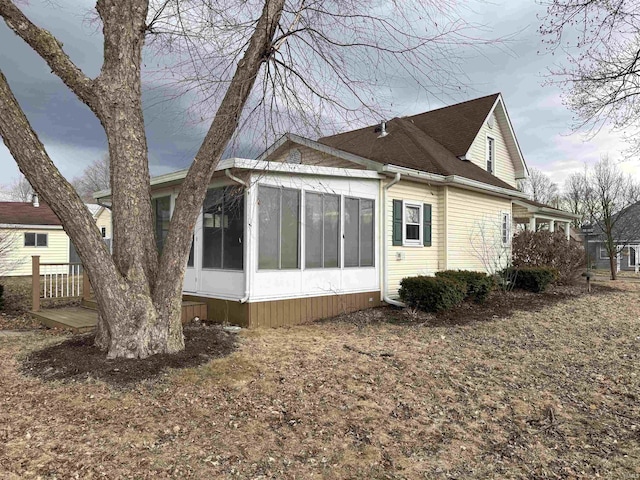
pixel 385 248
pixel 245 249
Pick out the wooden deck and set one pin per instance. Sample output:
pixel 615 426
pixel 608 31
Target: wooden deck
pixel 76 319
pixel 84 319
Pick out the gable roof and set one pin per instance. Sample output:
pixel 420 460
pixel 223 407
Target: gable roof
pixel 24 213
pixel 455 127
pixel 407 145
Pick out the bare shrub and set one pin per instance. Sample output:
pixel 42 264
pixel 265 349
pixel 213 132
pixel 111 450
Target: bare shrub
pixel 548 249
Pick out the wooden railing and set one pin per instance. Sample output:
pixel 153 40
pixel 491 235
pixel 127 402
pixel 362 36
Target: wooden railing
pixel 57 281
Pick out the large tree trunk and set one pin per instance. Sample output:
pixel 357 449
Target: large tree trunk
pixel 139 296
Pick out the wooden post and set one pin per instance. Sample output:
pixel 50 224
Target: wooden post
pixel 86 286
pixel 35 282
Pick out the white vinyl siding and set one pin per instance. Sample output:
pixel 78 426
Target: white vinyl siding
pixel 18 262
pixel 473 216
pixel 503 166
pixel 406 261
pixel 104 221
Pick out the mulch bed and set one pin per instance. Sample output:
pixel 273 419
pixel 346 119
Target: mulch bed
pixel 78 359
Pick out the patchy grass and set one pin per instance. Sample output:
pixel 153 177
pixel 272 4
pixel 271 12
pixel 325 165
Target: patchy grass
pixel 551 393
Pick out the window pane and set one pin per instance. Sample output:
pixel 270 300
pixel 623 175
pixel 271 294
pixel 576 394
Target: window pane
pixel 413 214
pixel 313 230
pixel 331 231
pixel 233 228
pixel 212 219
pixel 268 227
pixel 290 229
pixel 162 215
pixel 29 239
pixel 41 240
pixel 190 261
pixel 413 232
pixel 366 233
pixel 351 232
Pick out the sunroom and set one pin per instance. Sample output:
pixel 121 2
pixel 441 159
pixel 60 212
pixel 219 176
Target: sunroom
pixel 279 244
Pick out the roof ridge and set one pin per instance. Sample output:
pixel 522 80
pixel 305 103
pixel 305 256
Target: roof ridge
pixel 455 105
pixel 411 116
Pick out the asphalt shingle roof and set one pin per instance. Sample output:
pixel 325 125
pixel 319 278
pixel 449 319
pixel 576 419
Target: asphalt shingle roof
pixel 429 142
pixel 24 213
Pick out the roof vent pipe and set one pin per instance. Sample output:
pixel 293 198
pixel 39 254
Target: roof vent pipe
pixel 34 200
pixel 383 129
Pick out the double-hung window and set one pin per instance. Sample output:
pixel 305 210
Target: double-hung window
pixel 278 228
pixel 412 224
pixel 358 232
pixel 322 230
pixel 491 146
pixel 36 239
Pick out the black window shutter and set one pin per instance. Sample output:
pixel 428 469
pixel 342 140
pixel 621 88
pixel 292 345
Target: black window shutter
pixel 397 222
pixel 426 225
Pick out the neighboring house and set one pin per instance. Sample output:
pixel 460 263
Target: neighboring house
pixel 627 238
pixel 33 229
pixel 311 229
pixel 102 217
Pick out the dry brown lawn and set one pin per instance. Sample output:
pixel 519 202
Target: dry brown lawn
pixel 553 393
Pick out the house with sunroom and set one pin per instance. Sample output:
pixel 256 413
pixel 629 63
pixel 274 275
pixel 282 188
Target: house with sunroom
pixel 314 228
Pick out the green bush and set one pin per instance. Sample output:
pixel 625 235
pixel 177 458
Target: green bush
pixel 535 279
pixel 478 284
pixel 432 294
pixel 1 297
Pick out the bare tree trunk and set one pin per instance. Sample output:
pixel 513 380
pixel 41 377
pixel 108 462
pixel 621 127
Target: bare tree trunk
pixel 139 311
pixel 613 265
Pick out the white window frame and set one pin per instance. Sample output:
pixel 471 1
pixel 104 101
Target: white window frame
pixel 602 249
pixel 35 245
pixel 629 248
pixel 412 242
pixel 506 228
pixel 490 152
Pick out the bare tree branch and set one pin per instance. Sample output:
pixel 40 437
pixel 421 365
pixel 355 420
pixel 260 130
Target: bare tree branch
pixel 50 49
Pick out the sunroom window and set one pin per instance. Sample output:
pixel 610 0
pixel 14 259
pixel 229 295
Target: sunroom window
pixel 358 232
pixel 278 228
pixel 223 229
pixel 322 230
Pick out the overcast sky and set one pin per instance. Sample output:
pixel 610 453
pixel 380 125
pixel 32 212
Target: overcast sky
pixel 74 138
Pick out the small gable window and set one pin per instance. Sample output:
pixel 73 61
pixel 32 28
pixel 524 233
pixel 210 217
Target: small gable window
pixel 295 156
pixel 490 154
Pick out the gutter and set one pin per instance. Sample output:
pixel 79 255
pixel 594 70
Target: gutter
pixel 385 243
pixel 245 248
pixel 455 180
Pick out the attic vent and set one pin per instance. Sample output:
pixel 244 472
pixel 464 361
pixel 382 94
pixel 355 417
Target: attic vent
pixel 294 156
pixel 382 129
pixel 490 121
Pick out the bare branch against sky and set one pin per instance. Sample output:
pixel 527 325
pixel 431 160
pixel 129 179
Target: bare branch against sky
pixel 600 78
